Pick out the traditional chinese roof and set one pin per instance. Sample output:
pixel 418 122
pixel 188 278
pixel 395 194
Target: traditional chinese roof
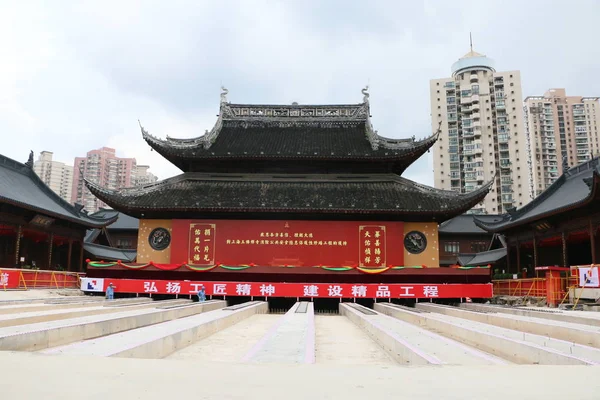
pixel 465 224
pixel 20 186
pixel 385 194
pixel 106 253
pixel 123 222
pixel 291 136
pixel 482 258
pixel 575 188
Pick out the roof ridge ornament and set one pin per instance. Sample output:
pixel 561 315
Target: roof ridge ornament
pixel 224 92
pixel 365 91
pixel 29 162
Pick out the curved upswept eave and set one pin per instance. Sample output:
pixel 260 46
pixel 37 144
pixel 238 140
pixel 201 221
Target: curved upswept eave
pixel 108 196
pixel 473 198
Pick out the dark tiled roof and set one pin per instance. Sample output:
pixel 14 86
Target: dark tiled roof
pixel 20 186
pixel 91 235
pixel 384 193
pixel 483 258
pixel 123 222
pixel 465 224
pixel 254 132
pixel 102 253
pixel 574 188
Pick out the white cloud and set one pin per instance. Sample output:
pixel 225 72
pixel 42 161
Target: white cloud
pixel 77 75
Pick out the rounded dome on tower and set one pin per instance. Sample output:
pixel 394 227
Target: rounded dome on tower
pixel 473 61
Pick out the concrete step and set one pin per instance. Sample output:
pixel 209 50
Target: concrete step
pixel 43 335
pixel 410 345
pixel 159 341
pixel 290 340
pixel 576 333
pixel 518 347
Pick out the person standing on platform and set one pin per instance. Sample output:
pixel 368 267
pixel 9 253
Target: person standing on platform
pixel 201 294
pixel 110 292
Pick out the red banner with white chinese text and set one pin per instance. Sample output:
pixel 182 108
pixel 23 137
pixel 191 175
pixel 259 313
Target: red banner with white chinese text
pixel 9 279
pixel 314 290
pixel 298 243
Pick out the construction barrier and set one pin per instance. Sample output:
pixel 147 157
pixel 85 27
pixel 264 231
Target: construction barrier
pixel 11 278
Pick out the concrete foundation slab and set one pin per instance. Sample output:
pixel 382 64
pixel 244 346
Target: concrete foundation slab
pixel 577 317
pixel 513 345
pixel 56 333
pixel 99 378
pixel 576 333
pixel 291 340
pixel 158 341
pixel 410 345
pixel 53 315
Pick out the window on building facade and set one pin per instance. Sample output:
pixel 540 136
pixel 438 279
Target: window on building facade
pixel 452 247
pixel 479 246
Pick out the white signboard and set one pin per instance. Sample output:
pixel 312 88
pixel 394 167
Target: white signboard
pixel 92 284
pixel 588 277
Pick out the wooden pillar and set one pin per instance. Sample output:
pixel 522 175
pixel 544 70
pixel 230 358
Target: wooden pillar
pixel 518 256
pixel 69 254
pixel 593 241
pixel 564 249
pixel 80 267
pixel 535 252
pixel 18 244
pixel 50 241
pixel 508 257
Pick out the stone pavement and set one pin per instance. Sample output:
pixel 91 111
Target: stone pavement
pixel 115 378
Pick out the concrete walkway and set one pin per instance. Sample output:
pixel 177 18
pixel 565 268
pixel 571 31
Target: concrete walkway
pixel 122 378
pixel 291 340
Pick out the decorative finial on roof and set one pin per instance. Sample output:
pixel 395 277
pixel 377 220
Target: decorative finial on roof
pixel 565 164
pixel 224 92
pixel 365 91
pixel 29 162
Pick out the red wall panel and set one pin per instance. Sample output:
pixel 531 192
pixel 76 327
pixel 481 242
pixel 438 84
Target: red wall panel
pixel 300 243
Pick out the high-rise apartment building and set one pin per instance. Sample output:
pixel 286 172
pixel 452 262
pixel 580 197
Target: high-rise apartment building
pixel 562 131
pixel 57 175
pixel 103 167
pixel 480 114
pixel 143 176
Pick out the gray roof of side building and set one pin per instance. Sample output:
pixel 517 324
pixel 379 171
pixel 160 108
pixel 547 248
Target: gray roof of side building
pixel 465 224
pixel 483 258
pixel 123 222
pixel 20 186
pixel 574 188
pixel 110 253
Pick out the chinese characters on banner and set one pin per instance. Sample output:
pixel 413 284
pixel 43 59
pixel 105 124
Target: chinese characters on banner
pixel 202 244
pixel 372 246
pixel 280 243
pixel 313 290
pixel 9 279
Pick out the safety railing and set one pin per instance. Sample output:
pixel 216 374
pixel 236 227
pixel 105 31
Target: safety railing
pixel 11 278
pixel 531 287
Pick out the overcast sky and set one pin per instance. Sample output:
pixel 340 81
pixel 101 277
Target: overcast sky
pixel 76 75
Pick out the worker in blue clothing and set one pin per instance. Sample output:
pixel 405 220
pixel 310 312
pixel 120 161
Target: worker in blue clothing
pixel 110 292
pixel 201 294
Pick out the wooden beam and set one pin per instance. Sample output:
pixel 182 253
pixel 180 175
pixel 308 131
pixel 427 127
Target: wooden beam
pixel 18 244
pixel 69 254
